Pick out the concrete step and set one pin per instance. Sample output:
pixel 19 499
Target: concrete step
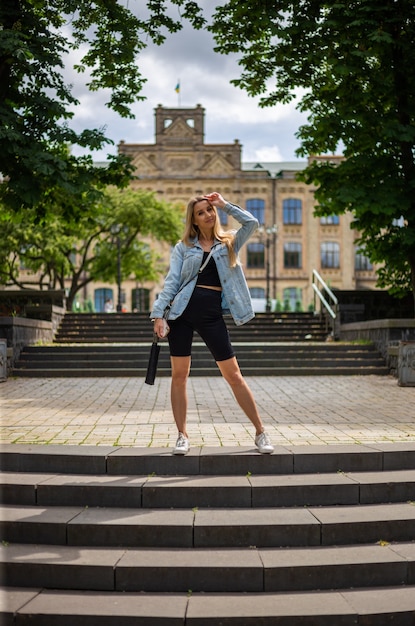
pixel 244 570
pixel 206 461
pixel 255 359
pixel 140 372
pixel 224 461
pixel 249 491
pixel 208 528
pixel 104 328
pixel 366 607
pixel 271 348
pixel 130 337
pixel 318 535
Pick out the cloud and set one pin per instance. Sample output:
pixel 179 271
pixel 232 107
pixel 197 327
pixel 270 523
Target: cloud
pixel 205 78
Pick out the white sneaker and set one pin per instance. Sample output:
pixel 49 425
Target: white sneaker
pixel 263 443
pixel 182 445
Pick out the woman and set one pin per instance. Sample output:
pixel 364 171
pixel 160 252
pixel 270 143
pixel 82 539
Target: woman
pixel 198 300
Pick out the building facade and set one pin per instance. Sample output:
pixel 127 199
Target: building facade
pixel 291 242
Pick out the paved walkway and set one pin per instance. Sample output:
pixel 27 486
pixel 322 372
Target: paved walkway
pixel 127 412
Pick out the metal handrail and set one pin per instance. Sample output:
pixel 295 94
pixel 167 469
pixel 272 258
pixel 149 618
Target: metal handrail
pixel 329 301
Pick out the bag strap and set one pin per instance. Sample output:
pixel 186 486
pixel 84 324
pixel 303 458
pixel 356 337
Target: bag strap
pixel 201 268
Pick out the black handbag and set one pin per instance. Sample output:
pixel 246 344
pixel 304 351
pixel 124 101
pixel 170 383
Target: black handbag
pixel 152 361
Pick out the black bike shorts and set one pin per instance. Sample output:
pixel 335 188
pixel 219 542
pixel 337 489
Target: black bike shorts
pixel 203 314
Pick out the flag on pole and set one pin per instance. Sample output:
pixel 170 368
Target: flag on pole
pixel 177 88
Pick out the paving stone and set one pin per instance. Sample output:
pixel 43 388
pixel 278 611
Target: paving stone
pixel 25 524
pixel 241 460
pixel 11 600
pixel 332 567
pixel 386 486
pixel 71 459
pixel 244 527
pixel 303 490
pixel 129 527
pixel 182 570
pixel 55 608
pixel 366 523
pixel 123 491
pixel 148 461
pixel 345 458
pixel 296 609
pixel 201 491
pixel 383 606
pixel 304 411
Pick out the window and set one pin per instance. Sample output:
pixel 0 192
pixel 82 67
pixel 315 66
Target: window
pixel 333 220
pixel 292 211
pixel 257 293
pixel 100 297
pixel 140 299
pixel 255 255
pixel 292 299
pixel 223 217
pixel 361 261
pixel 400 222
pixel 330 255
pixel 256 206
pixel 292 255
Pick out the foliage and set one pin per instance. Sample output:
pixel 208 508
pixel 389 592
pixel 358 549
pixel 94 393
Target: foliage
pixel 353 64
pixel 56 252
pixel 350 63
pixel 36 104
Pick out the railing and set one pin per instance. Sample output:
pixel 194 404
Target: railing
pixel 329 305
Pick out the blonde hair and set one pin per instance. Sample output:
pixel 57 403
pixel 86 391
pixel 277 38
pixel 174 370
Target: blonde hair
pixel 192 231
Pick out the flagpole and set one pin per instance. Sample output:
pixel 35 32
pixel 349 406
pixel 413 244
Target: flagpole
pixel 178 92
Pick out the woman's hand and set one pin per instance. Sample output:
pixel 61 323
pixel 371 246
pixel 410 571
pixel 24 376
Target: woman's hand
pixel 215 199
pixel 160 327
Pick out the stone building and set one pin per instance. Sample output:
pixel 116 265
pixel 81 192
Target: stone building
pixel 279 260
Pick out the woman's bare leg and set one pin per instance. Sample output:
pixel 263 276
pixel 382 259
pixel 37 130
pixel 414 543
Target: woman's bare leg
pixel 180 368
pixel 243 394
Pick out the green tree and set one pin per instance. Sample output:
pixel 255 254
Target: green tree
pixel 36 104
pixel 353 63
pixel 62 254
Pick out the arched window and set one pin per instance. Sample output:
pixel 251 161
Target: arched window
pixel 256 206
pixel 330 254
pixel 255 255
pixel 292 211
pixel 293 255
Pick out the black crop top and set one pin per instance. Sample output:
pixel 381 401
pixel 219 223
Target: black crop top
pixel 209 276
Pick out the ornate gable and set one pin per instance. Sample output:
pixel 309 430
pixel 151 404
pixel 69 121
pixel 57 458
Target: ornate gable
pixel 145 166
pixel 217 165
pixel 179 131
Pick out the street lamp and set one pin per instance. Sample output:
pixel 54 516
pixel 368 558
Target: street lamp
pixel 267 233
pixel 116 230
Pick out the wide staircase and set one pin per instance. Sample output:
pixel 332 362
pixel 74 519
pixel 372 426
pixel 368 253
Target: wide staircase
pixel 310 536
pixel 270 345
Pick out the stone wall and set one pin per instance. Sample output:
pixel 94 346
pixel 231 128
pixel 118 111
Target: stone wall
pixel 21 331
pixel 385 335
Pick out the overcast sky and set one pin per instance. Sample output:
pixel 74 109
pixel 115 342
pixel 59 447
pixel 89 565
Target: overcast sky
pixel 265 134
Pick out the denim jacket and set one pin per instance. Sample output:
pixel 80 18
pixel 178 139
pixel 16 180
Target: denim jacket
pixel 185 262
